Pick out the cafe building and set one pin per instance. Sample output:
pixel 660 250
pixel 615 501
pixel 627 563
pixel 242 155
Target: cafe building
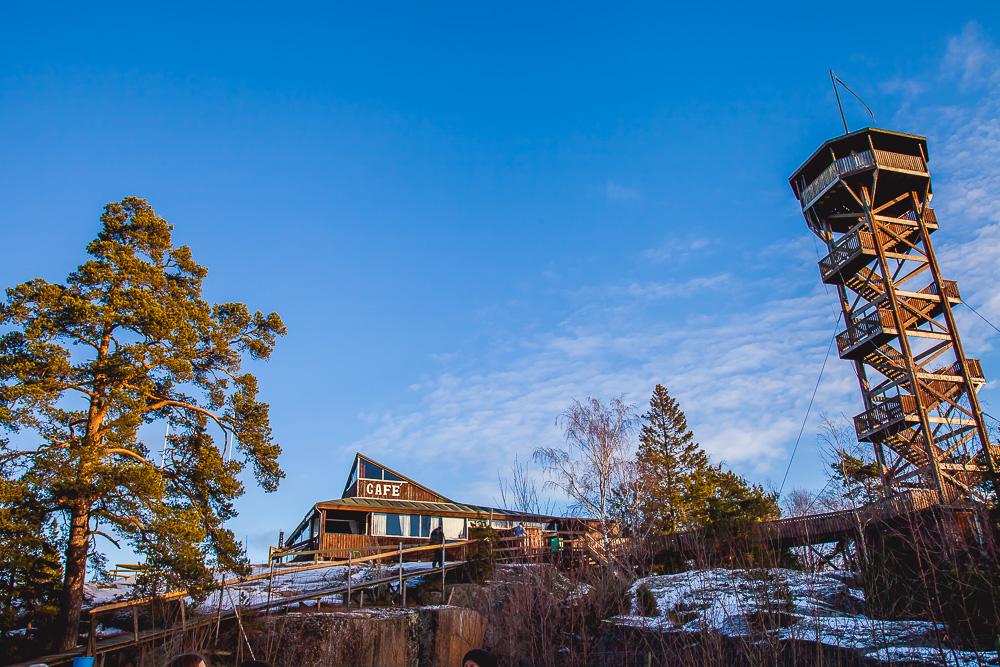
pixel 381 508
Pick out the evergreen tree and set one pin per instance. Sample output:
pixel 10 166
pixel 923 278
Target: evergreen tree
pixel 680 489
pixel 127 340
pixel 733 499
pixel 31 574
pixel 672 467
pixel 859 479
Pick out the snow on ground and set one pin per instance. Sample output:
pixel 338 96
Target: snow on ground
pixel 284 584
pixel 787 604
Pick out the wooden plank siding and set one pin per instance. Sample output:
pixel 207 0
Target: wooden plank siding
pixel 408 491
pixel 338 546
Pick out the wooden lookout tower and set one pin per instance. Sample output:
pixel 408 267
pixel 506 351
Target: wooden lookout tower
pixel 867 195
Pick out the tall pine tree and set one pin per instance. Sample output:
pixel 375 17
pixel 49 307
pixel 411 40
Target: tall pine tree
pixel 672 467
pixel 679 488
pixel 127 340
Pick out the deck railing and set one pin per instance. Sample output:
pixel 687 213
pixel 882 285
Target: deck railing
pixel 840 167
pixel 846 247
pixel 857 162
pixel 887 411
pixel 892 160
pixel 930 217
pixel 861 329
pixel 949 287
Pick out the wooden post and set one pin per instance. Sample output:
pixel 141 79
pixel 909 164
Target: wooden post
pixel 401 569
pixel 347 602
pixel 442 572
pixel 135 624
pixel 92 636
pixel 361 599
pixel 183 613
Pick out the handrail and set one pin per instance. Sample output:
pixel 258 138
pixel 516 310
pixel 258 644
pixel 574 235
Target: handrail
pixel 839 167
pixel 861 329
pixel 278 573
pixel 850 164
pixel 901 161
pixel 889 409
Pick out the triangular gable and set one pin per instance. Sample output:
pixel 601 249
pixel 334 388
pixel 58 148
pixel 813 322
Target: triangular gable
pixel 384 482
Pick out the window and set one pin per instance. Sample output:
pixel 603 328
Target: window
pixel 393 525
pixel 453 528
pixel 370 470
pixel 342 526
pixel 389 477
pixel 420 526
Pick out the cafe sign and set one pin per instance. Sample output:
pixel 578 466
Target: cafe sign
pixel 379 489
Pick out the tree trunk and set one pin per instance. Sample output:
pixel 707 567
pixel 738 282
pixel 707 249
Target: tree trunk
pixel 71 600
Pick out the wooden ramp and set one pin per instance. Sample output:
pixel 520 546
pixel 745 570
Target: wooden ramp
pixel 98 647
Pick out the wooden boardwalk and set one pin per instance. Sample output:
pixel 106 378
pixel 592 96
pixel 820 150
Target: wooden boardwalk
pixel 819 528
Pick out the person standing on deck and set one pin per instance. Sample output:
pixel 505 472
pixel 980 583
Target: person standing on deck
pixel 437 537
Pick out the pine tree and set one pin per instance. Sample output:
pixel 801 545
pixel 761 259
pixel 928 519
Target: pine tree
pixel 128 340
pixel 672 467
pixel 734 500
pixel 859 479
pixel 30 574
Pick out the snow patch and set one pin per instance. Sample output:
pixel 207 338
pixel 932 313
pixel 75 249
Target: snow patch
pixel 788 605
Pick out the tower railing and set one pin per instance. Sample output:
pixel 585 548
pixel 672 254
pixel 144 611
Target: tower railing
pixel 864 328
pixel 855 162
pixel 840 167
pixel 889 411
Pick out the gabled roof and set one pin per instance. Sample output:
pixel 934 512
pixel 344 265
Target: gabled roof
pixel 358 456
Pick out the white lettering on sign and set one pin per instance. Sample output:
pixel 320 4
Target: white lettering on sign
pixel 383 489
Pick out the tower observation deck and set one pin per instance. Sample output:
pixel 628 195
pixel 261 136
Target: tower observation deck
pixel 867 195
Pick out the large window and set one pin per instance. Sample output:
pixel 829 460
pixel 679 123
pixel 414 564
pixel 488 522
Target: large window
pixel 415 525
pixel 332 524
pixel 370 470
pixel 420 526
pixel 394 525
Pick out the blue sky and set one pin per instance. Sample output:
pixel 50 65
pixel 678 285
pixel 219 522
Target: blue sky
pixel 470 215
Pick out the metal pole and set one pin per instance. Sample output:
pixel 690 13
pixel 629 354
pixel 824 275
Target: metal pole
pixel 442 573
pixel 401 592
pixel 840 105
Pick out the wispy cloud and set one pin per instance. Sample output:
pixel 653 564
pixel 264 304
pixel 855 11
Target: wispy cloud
pixel 618 192
pixel 972 58
pixel 743 368
pixel 743 377
pixel 677 249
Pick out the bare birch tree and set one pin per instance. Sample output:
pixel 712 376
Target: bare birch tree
pixel 596 459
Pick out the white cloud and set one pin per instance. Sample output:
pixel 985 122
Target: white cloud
pixel 674 249
pixel 618 192
pixel 972 58
pixel 744 378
